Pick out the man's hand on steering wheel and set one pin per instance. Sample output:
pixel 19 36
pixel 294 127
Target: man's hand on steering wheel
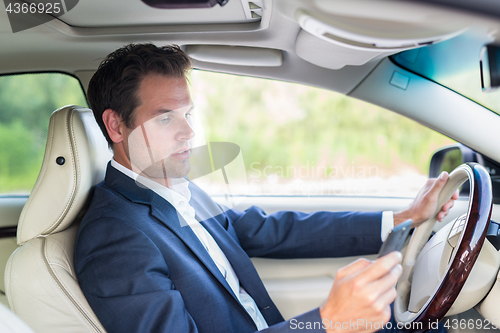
pixel 425 203
pixel 435 271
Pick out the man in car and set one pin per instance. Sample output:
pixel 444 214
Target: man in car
pixel 154 253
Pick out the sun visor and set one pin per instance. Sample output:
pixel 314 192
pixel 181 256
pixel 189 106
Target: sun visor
pixel 332 55
pixel 334 41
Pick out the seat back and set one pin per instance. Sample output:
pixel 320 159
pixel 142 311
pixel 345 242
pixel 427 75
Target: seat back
pixel 41 285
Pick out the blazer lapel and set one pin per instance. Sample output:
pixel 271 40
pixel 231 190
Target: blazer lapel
pixel 245 270
pixel 166 213
pixel 212 218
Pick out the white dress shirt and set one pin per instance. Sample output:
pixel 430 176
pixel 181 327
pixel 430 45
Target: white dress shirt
pixel 178 196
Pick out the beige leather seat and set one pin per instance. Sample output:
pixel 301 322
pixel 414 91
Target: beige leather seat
pixel 41 284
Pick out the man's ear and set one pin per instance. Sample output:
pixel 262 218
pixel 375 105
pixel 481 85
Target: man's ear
pixel 112 121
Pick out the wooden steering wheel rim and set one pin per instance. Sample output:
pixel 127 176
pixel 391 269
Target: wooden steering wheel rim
pixel 474 233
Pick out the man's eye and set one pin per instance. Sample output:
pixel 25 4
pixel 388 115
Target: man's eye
pixel 164 120
pixel 189 114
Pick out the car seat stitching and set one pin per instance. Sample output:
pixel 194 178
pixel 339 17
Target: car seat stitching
pixel 59 283
pixel 67 208
pixel 41 176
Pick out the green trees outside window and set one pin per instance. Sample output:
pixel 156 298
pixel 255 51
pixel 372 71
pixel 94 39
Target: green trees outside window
pixel 26 103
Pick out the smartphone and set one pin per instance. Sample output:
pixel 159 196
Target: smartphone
pixel 396 239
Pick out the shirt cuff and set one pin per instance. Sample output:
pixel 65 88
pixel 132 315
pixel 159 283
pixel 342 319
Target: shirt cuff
pixel 387 224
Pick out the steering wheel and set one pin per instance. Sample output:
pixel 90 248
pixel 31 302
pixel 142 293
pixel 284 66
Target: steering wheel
pixel 435 270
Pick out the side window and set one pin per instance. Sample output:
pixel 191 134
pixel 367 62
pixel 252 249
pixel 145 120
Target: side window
pixel 300 140
pixel 26 103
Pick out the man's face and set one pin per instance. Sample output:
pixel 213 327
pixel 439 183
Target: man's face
pixel 159 144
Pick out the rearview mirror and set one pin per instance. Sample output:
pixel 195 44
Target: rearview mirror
pixel 448 158
pixel 489 64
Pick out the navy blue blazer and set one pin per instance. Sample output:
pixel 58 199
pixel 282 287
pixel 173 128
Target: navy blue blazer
pixel 142 271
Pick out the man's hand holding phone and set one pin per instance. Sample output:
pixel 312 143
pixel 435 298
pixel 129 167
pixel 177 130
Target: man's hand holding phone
pixel 362 294
pixel 364 290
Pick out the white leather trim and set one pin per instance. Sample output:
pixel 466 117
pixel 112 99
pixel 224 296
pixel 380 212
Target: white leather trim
pixel 61 191
pixel 42 288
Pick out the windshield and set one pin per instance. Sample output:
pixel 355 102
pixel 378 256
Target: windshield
pixel 454 64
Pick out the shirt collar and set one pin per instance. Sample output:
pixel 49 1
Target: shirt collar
pixel 178 193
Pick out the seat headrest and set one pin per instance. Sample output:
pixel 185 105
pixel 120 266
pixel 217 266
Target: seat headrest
pixel 75 159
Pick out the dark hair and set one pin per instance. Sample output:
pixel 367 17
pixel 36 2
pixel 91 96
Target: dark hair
pixel 116 81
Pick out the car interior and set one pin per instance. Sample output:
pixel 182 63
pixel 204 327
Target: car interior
pixel 418 59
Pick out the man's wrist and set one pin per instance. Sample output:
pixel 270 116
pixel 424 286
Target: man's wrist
pixel 402 216
pixel 326 316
